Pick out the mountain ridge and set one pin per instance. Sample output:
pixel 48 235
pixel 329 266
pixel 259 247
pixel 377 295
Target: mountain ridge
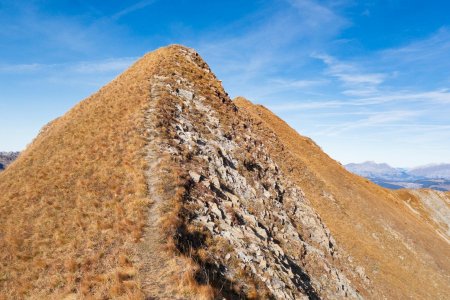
pixel 159 185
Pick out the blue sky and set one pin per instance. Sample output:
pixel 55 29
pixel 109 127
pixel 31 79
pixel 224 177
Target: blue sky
pixel 367 80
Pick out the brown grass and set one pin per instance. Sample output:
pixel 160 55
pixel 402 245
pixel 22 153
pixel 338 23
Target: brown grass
pixel 74 204
pixel 371 223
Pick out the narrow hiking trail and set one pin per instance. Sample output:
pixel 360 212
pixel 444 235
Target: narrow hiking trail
pixel 158 269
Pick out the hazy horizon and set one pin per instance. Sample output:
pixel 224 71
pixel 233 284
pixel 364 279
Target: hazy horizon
pixel 397 167
pixel 366 80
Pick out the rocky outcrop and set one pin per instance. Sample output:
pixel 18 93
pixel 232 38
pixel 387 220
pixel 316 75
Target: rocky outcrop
pixel 252 231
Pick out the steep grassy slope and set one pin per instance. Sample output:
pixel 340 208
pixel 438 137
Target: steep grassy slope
pixel 74 203
pixel 398 250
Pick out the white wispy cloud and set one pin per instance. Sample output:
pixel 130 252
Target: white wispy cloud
pixel 132 8
pixel 441 96
pixel 398 98
pixel 351 75
pixel 296 84
pixel 103 66
pixel 110 65
pixel 425 50
pixel 270 44
pixel 61 35
pixel 20 68
pixel 305 105
pixel 373 120
pixel 316 16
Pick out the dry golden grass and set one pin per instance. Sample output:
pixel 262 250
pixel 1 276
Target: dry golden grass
pixel 399 250
pixel 74 204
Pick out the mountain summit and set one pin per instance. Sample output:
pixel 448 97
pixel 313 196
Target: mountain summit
pixel 159 186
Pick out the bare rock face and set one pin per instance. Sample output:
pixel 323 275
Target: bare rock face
pixel 253 232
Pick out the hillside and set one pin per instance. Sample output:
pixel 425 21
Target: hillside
pixel 73 203
pixel 374 226
pixel 159 186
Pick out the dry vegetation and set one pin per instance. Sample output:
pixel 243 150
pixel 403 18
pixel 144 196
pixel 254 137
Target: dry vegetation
pixel 398 250
pixel 173 180
pixel 74 204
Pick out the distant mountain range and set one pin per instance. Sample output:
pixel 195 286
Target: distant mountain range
pixel 435 176
pixel 6 158
pixel 432 171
